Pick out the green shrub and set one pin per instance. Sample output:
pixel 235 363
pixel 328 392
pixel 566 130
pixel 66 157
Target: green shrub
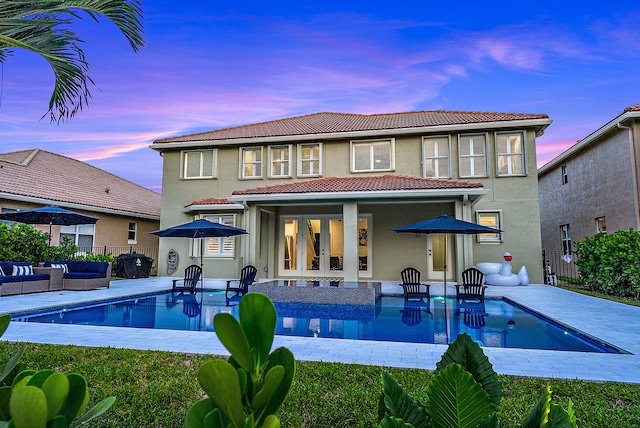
pixel 610 263
pixel 25 243
pixel 98 258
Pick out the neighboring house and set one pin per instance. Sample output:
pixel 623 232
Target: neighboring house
pixel 320 194
pixel 127 212
pixel 593 186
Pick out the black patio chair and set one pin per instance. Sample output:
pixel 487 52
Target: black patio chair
pixel 411 285
pixel 474 314
pixel 412 311
pixel 191 277
pixel 472 286
pixel 247 277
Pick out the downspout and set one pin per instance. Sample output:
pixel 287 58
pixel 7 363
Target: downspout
pixel 634 171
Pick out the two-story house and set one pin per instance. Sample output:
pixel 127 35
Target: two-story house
pixel 320 194
pixel 593 186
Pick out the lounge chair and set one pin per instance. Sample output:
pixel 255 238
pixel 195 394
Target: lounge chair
pixel 247 277
pixel 191 277
pixel 411 285
pixel 472 286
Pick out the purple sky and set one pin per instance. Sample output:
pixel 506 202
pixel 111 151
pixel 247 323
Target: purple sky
pixel 209 65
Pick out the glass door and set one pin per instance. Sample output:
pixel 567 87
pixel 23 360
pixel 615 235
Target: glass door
pixel 436 256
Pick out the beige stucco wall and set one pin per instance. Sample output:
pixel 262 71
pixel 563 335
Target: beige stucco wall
pixel 516 197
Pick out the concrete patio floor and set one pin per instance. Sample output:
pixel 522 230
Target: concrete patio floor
pixel 611 322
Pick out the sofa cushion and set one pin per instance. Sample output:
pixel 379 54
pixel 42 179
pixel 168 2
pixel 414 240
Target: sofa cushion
pixel 83 275
pixel 25 278
pixel 22 270
pixel 1 271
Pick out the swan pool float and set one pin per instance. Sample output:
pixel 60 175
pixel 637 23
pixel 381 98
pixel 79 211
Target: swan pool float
pixel 501 273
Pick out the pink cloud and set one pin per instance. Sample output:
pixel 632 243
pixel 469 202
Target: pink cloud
pixel 548 151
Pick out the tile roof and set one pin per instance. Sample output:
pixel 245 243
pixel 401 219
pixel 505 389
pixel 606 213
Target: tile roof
pixel 41 174
pixel 633 108
pixel 211 201
pixel 321 123
pixel 387 182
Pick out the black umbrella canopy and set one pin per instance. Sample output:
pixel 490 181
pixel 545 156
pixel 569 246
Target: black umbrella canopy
pixel 199 229
pixel 49 215
pixel 446 224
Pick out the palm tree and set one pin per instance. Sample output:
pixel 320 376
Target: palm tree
pixel 41 26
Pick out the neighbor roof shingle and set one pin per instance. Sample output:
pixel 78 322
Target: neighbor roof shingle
pixel 322 123
pixel 41 174
pixel 387 182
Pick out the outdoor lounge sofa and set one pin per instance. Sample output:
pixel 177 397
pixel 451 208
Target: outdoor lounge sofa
pixel 22 284
pixel 83 274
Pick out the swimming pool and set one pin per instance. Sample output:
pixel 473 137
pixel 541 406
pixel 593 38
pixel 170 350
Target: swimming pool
pixel 496 323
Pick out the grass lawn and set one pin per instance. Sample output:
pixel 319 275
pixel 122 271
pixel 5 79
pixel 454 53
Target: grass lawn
pixel 155 389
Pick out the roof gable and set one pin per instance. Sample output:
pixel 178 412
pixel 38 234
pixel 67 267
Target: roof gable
pixel 56 178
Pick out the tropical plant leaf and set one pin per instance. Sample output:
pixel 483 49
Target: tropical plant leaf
pixel 78 397
pixel 95 411
pixel 279 357
pixel 219 380
pixel 12 363
pixel 561 418
pixel 4 323
pixel 271 421
pixel 493 421
pixel 400 404
pixel 456 400
pixel 258 319
pixel 56 389
pixel 539 415
pixel 199 411
pixel 28 407
pixel 272 380
pixel 391 422
pixel 233 337
pixel 469 355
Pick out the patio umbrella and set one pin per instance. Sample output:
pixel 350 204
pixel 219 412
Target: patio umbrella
pixel 446 224
pixel 50 215
pixel 199 229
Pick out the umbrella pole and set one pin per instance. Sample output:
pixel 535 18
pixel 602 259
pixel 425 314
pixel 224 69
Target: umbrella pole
pixel 201 268
pixel 444 271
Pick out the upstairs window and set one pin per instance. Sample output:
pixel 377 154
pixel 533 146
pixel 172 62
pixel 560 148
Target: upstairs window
pixel 251 162
pixel 199 164
pixel 472 152
pixel 280 159
pixel 491 219
pixel 601 225
pixel 565 174
pixel 436 157
pixel 310 160
pixel 510 154
pixel 370 156
pixel 133 229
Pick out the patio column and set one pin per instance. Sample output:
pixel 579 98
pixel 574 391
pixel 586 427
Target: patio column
pixel 350 267
pixel 251 241
pixel 464 243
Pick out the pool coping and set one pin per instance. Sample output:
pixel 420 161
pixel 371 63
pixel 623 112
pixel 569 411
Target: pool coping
pixel 612 322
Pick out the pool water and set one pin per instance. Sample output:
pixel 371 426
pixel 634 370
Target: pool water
pixel 495 323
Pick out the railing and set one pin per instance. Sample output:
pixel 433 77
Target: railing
pixel 563 267
pixel 151 252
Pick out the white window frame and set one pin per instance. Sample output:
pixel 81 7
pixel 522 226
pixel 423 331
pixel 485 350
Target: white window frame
pixel 601 224
pixel 135 233
pixel 564 170
pixel 510 156
pixel 490 238
pixel 565 238
pixel 391 142
pixel 437 149
pixel 281 162
pixel 256 163
pixel 312 161
pixel 227 242
pixel 202 173
pixel 76 230
pixel 469 158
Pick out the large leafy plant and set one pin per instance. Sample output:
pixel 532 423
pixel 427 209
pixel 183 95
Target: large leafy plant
pixel 463 393
pixel 248 389
pixel 44 398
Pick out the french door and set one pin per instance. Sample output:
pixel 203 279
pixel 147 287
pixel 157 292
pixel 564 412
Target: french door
pixel 314 246
pixel 436 256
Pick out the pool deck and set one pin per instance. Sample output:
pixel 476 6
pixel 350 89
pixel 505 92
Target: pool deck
pixel 614 323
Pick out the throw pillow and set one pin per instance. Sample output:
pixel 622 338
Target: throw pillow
pixel 22 270
pixel 1 271
pixel 65 268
